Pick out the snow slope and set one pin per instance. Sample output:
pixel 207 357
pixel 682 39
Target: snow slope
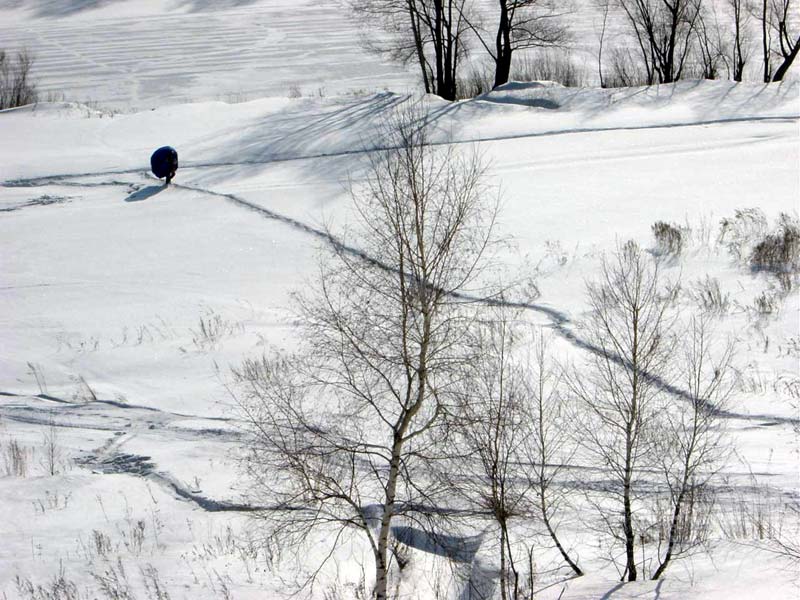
pixel 123 304
pixel 154 52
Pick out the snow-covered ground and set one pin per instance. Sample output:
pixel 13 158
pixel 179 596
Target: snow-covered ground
pixel 125 54
pixel 123 304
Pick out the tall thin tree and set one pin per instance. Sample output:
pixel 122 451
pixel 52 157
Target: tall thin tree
pixel 346 422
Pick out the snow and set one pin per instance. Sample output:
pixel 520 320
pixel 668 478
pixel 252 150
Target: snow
pixel 107 280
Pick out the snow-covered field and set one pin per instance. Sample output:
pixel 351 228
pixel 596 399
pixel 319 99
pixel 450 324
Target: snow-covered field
pixel 123 304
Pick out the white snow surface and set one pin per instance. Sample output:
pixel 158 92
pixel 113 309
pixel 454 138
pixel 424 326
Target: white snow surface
pixel 107 278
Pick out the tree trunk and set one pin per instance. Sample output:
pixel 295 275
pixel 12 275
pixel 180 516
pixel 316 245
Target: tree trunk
pixel 546 519
pixel 381 558
pixel 630 558
pixel 765 41
pixel 738 56
pixel 787 62
pixel 504 51
pixel 673 529
pixel 415 28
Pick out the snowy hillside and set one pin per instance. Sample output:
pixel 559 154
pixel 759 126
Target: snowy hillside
pixel 124 304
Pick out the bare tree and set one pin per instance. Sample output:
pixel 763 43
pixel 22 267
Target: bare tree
pixel 788 43
pixel 491 429
pixel 520 25
pixel 776 19
pixel 429 32
pixel 604 6
pixel 618 394
pixel 510 431
pixel 663 30
pixel 345 426
pixel 548 448
pixel 765 17
pixel 711 43
pixel 692 441
pixel 740 46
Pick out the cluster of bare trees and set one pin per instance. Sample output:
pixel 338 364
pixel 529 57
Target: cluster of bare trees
pixel 434 34
pixel 411 399
pixel 666 40
pixel 670 33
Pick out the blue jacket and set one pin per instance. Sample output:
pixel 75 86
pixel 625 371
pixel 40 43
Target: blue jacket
pixel 164 161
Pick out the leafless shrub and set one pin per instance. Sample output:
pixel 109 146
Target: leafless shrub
pixel 52 501
pixel 754 511
pixel 16 87
pixel 477 82
pixel 294 91
pixel 740 232
pixel 59 588
pixel 113 582
pixel 153 585
pixel 709 297
pixel 670 238
pixel 101 542
pixel 51 460
pixel 779 252
pixel 212 328
pixel 625 71
pixel 696 518
pixel 16 459
pixel 765 304
pixel 38 375
pixel 548 65
pixel 133 535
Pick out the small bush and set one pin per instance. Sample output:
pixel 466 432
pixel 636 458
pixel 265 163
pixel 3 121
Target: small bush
pixel 548 65
pixel 626 71
pixel 113 582
pixel 742 231
pixel 479 81
pixel 670 238
pixel 766 304
pixel 16 88
pixel 16 459
pixel 779 252
pixel 59 588
pixel 709 297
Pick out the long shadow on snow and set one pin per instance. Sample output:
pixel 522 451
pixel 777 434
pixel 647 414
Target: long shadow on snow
pixel 145 193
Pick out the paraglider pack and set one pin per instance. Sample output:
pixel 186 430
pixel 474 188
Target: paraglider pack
pixel 164 162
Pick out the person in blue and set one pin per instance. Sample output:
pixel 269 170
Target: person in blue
pixel 164 162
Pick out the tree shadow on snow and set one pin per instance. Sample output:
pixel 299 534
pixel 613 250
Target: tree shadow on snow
pixel 145 193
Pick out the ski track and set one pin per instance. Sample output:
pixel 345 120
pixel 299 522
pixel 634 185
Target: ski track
pixel 63 178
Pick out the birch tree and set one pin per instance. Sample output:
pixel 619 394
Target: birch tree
pixel 617 389
pixel 340 432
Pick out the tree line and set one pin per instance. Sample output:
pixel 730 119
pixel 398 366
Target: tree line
pixel 662 37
